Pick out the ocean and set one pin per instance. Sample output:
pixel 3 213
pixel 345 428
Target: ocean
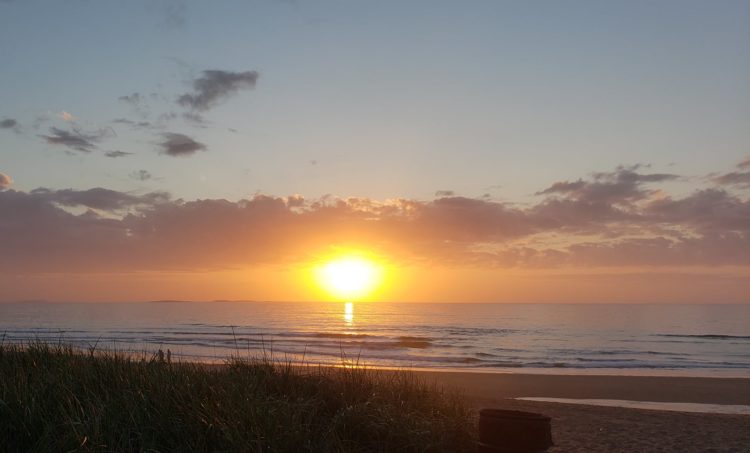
pixel 640 339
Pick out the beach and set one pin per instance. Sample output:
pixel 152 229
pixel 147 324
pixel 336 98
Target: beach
pixel 585 428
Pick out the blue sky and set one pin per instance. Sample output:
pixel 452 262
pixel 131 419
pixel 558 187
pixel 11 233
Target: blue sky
pixel 377 99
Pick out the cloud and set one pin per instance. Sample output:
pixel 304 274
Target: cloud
pixel 86 228
pixel 175 14
pixel 180 145
pixel 98 198
pixel 5 181
pixel 115 154
pixel 138 103
pixel 707 211
pixel 67 116
pixel 736 178
pixel 195 119
pixel 624 185
pixel 141 175
pixel 132 99
pixel 444 193
pixel 214 86
pixel 10 123
pixel 40 120
pixel 564 187
pixel 133 124
pixel 75 139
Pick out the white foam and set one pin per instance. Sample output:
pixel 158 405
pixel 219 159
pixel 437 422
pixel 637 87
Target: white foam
pixel 732 409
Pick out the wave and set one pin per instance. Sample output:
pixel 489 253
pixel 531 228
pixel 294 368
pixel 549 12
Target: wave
pixel 705 336
pixel 335 335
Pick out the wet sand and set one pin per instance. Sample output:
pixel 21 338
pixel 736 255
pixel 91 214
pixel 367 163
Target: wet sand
pixel 635 388
pixel 583 428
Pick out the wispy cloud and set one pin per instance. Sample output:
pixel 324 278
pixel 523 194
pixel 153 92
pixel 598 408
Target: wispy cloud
pixel 195 119
pixel 133 99
pixel 116 153
pixel 74 139
pixel 133 124
pixel 141 175
pixel 175 14
pixel 739 178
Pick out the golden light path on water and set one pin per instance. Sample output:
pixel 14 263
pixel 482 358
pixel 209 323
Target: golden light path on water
pixel 349 313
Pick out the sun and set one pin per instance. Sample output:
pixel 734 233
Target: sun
pixel 349 277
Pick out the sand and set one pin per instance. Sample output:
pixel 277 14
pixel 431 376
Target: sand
pixel 584 428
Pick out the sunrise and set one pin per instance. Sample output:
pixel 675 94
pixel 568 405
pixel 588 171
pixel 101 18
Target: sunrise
pixel 392 226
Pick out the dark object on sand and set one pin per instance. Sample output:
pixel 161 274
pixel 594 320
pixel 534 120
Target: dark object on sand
pixel 505 431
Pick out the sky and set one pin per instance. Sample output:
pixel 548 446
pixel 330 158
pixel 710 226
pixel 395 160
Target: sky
pixel 481 151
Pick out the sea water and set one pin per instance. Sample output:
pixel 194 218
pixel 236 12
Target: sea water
pixel 711 340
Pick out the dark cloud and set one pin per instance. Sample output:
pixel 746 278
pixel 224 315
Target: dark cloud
pixel 9 123
pixel 141 175
pixel 607 198
pixel 180 145
pixel 708 211
pixel 115 154
pixel 75 139
pixel 5 181
pixel 624 185
pixel 214 86
pixel 444 193
pixel 98 198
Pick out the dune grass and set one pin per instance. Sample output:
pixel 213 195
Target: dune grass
pixel 56 398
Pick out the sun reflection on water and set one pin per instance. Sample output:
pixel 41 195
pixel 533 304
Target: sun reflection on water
pixel 349 312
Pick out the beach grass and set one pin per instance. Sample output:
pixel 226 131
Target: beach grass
pixel 57 398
